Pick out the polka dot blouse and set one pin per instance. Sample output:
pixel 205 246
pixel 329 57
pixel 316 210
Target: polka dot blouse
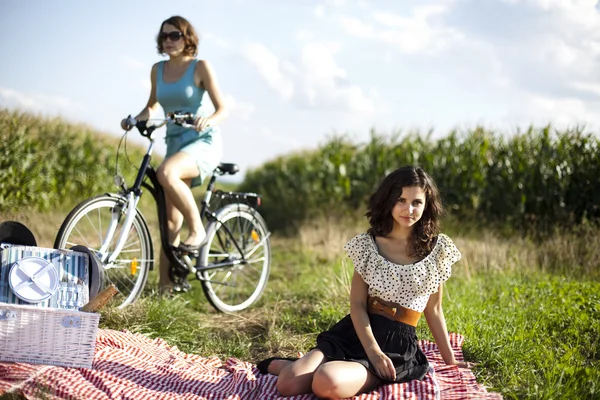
pixel 408 285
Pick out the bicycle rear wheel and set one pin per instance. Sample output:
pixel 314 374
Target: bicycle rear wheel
pixel 244 269
pixel 88 223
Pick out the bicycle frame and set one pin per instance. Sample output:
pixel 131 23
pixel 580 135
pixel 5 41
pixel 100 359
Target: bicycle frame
pixel 132 196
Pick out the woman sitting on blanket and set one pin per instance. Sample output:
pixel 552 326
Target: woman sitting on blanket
pixel 400 264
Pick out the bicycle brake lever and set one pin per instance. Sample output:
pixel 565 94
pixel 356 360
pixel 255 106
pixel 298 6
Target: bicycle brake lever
pixel 120 182
pixel 131 121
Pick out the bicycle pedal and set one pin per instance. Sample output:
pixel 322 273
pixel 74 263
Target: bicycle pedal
pixel 181 288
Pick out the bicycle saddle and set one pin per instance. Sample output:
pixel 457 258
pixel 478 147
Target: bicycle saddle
pixel 228 168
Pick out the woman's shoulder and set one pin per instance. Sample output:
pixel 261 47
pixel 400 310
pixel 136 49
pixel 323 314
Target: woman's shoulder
pixel 358 243
pixel 154 70
pixel 445 248
pixel 443 238
pixel 202 64
pixel 360 238
pixel 156 66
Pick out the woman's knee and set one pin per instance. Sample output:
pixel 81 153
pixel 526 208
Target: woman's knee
pixel 325 383
pixel 288 384
pixel 166 173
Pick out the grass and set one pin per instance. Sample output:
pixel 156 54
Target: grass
pixel 534 334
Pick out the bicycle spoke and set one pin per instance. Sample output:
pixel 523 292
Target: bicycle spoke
pixel 255 260
pixel 126 246
pixel 257 246
pixel 243 263
pixel 82 237
pixel 90 222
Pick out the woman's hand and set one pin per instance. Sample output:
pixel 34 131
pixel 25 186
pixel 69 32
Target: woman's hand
pixel 464 364
pixel 383 365
pixel 126 125
pixel 202 123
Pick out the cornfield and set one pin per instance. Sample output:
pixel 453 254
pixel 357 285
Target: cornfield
pixel 45 163
pixel 537 181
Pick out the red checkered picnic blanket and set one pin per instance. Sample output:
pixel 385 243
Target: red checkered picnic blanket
pixel 130 366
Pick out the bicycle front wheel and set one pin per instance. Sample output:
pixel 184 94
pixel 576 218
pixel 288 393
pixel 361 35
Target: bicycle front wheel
pixel 236 259
pixel 91 222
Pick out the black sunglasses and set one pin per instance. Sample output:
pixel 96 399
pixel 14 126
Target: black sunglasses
pixel 174 36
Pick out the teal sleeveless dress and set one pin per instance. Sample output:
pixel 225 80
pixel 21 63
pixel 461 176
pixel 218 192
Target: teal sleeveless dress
pixel 183 95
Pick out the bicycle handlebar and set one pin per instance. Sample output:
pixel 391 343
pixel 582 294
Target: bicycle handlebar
pixel 185 120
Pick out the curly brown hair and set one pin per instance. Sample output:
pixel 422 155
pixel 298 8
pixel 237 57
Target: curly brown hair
pixel 382 201
pixel 189 35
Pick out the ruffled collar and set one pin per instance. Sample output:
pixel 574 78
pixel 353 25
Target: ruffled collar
pixel 375 250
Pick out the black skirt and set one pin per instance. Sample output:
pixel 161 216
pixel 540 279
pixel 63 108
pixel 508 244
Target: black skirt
pixel 397 340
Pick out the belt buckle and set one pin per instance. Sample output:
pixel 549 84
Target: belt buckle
pixel 386 309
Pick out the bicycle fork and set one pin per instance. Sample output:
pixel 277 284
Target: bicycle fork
pixel 131 203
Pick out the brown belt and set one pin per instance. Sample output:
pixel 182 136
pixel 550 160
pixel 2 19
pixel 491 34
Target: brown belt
pixel 392 311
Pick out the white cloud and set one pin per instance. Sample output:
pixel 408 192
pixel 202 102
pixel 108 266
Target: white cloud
pixel 238 108
pixel 39 102
pixel 146 84
pixel 419 32
pixel 279 138
pixel 319 11
pixel 548 48
pixel 356 27
pixel 314 80
pixel 269 67
pixel 591 87
pixel 219 41
pixel 560 112
pixel 319 64
pixel 304 35
pixel 388 57
pixel 537 59
pixel 134 63
pixel 363 4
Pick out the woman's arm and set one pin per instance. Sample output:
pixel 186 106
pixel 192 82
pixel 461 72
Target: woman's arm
pixel 360 319
pixel 145 114
pixel 152 102
pixel 208 80
pixel 434 314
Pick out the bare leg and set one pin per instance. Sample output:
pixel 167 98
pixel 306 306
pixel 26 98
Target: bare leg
pixel 296 378
pixel 276 365
pixel 341 379
pixel 171 175
pixel 174 223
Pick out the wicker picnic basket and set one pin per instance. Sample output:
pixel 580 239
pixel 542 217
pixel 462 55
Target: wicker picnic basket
pixel 47 335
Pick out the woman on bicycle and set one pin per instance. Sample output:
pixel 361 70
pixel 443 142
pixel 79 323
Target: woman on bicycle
pixel 180 84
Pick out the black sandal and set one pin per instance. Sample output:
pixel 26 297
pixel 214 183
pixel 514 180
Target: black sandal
pixel 263 366
pixel 177 288
pixel 188 248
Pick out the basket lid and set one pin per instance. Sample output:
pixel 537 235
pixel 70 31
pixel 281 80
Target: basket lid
pixel 33 279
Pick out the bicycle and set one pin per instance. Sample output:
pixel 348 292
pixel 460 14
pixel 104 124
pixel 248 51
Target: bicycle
pixel 233 265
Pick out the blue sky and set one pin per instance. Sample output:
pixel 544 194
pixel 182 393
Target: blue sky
pixel 294 72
